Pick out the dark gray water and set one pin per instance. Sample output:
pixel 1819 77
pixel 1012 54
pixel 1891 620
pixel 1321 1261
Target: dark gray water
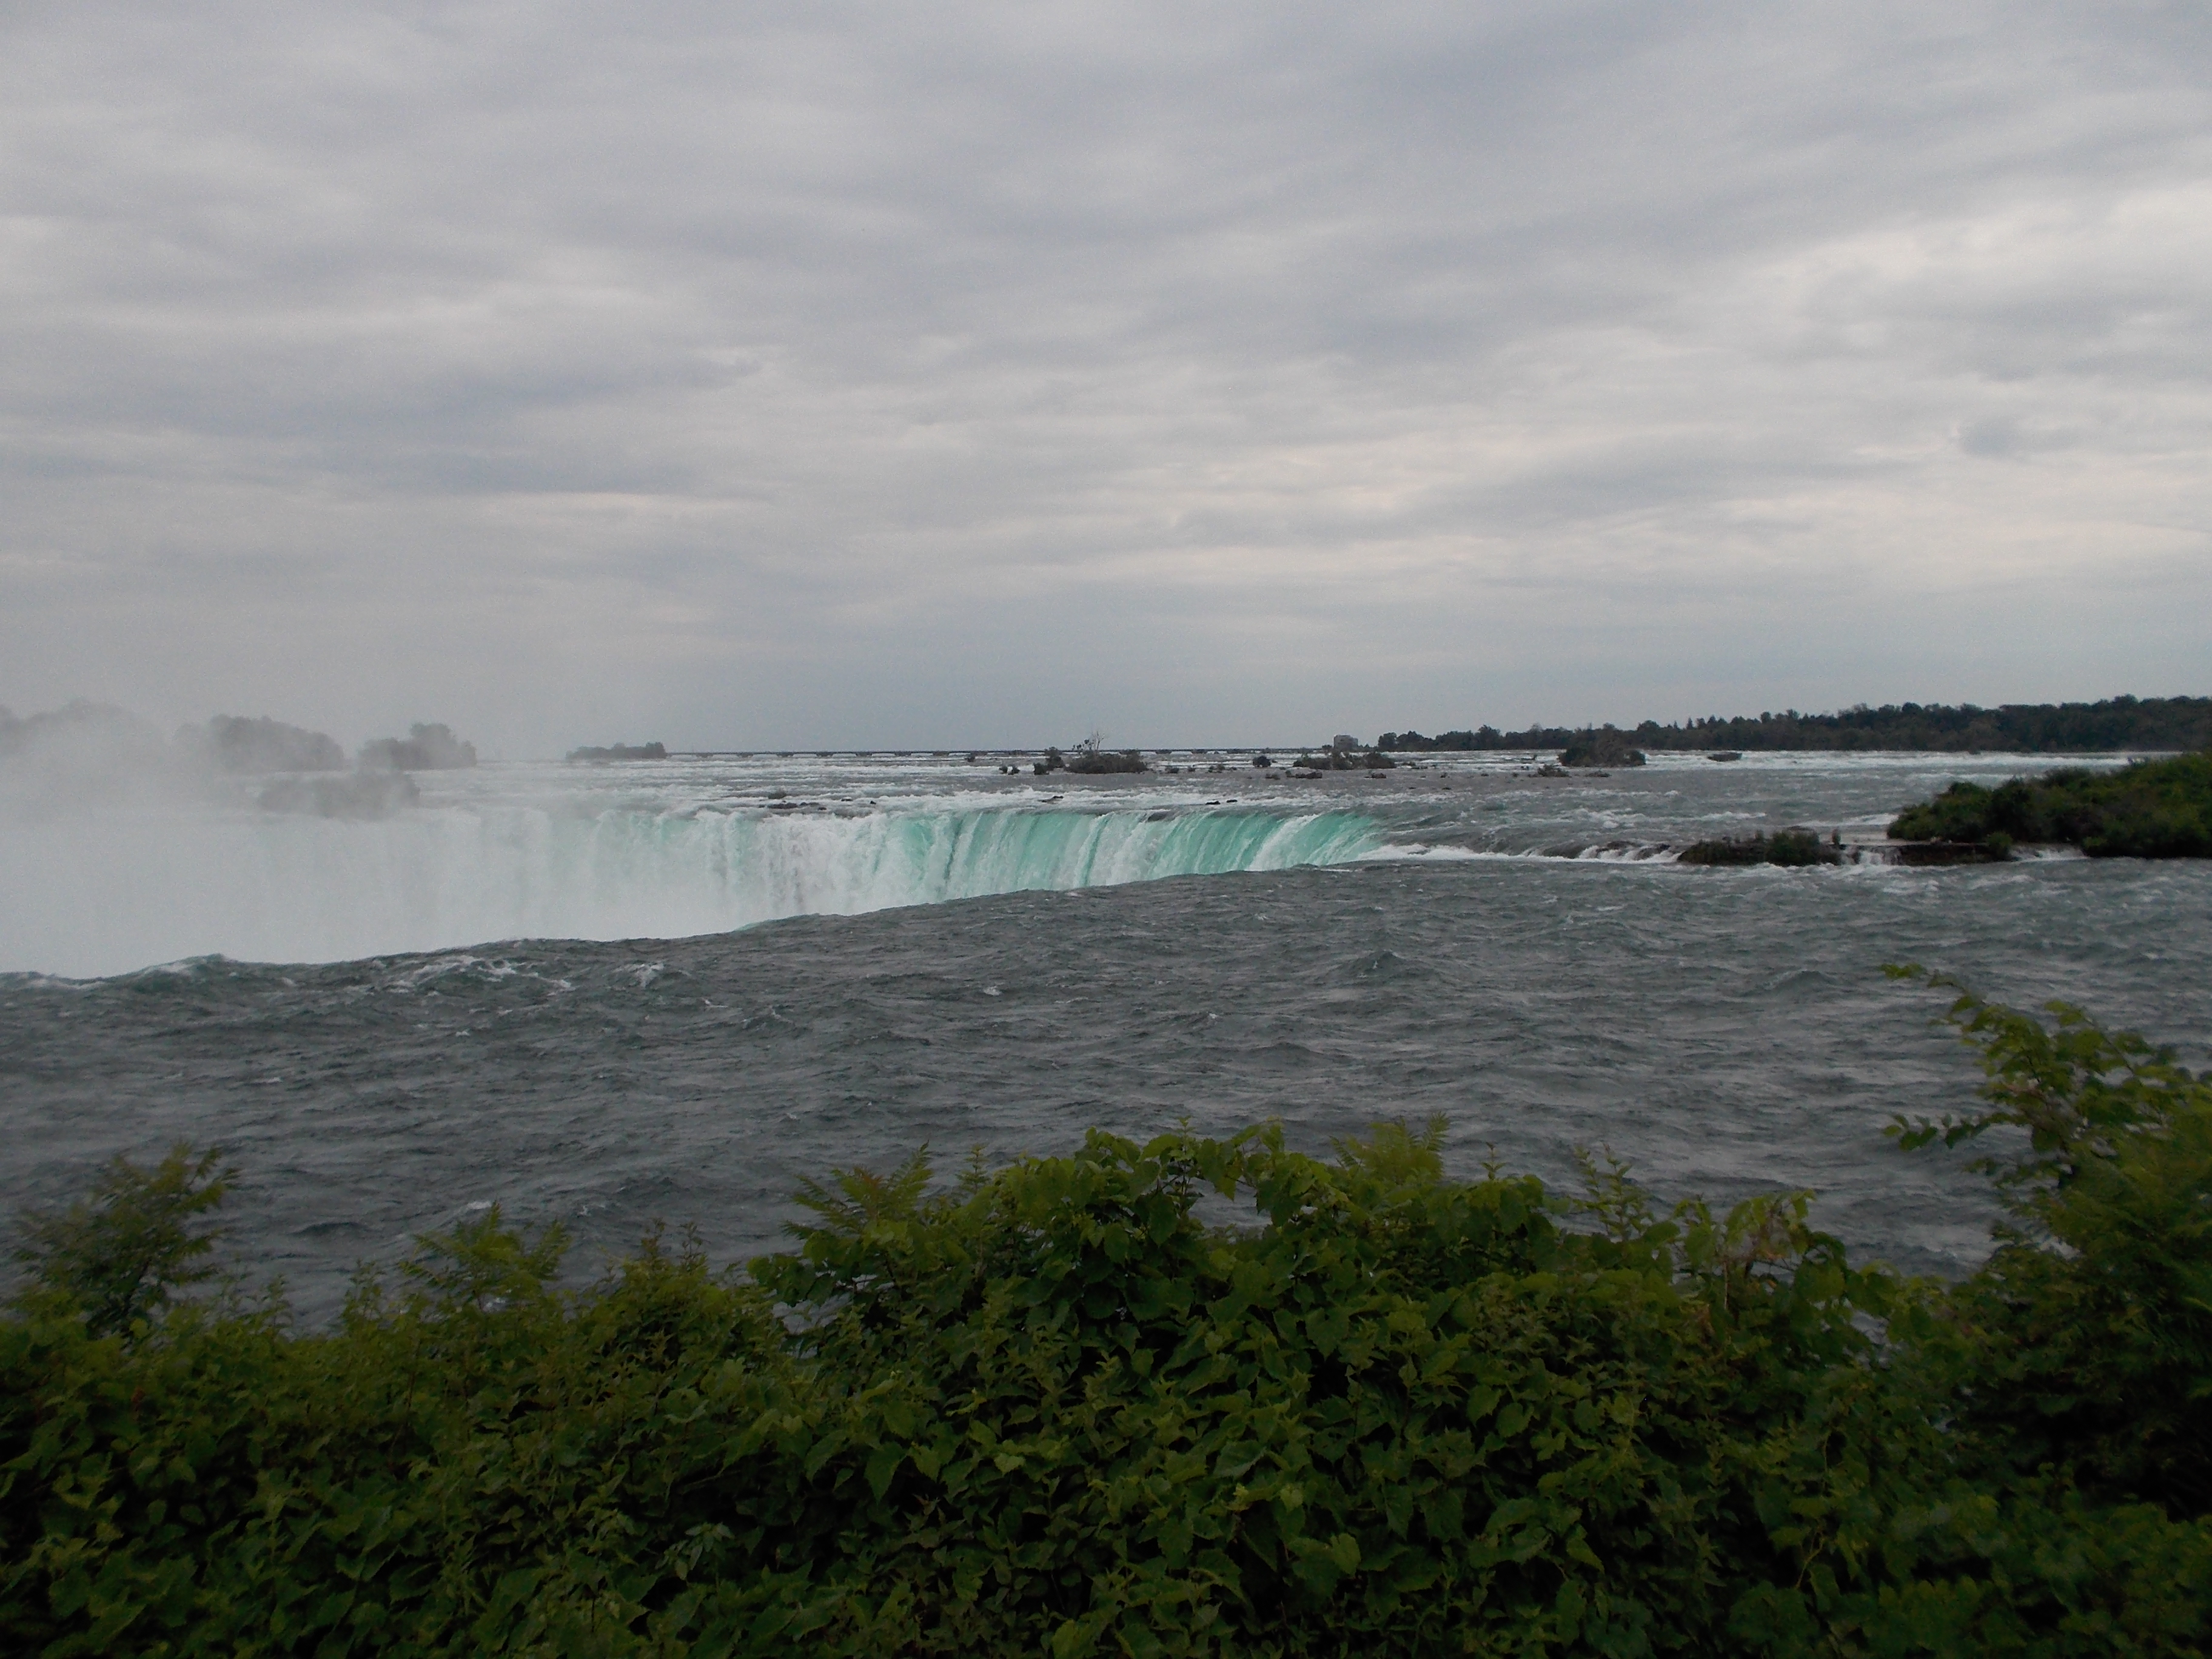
pixel 1726 1030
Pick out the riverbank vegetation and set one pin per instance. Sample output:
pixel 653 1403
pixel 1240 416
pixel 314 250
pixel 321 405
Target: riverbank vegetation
pixel 1069 1407
pixel 2115 723
pixel 2157 809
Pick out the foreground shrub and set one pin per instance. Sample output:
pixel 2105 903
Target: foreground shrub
pixel 2086 1342
pixel 1047 1410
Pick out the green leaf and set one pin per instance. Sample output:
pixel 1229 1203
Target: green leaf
pixel 883 1465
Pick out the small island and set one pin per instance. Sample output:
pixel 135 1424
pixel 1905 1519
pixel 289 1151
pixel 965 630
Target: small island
pixel 1793 847
pixel 1100 762
pixel 1603 746
pixel 1091 759
pixel 424 748
pixel 2150 810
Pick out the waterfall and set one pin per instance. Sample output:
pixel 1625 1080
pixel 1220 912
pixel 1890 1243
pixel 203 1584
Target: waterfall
pixel 105 893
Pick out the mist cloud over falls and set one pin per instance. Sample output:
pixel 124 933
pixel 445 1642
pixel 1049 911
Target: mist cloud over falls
pixel 88 757
pixel 784 376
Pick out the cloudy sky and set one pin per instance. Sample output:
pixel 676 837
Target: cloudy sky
pixel 895 374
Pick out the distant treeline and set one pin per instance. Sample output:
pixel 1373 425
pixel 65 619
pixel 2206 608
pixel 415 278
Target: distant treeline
pixel 2182 723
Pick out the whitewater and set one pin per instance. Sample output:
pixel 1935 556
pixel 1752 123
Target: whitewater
pixel 607 995
pixel 709 844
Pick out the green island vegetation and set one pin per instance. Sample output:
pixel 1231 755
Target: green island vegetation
pixel 2151 810
pixel 2156 723
pixel 1104 762
pixel 1052 1410
pixel 1604 747
pixel 1793 847
pixel 1091 758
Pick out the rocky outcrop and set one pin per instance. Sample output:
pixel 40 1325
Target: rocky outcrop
pixel 1925 853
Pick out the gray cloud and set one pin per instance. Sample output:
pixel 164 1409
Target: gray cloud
pixel 861 373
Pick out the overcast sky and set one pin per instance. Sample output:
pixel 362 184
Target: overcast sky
pixel 897 374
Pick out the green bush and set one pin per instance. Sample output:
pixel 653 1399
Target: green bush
pixel 117 1257
pixel 1047 1409
pixel 2087 1336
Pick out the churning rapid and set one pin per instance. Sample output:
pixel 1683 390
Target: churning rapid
pixel 566 990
